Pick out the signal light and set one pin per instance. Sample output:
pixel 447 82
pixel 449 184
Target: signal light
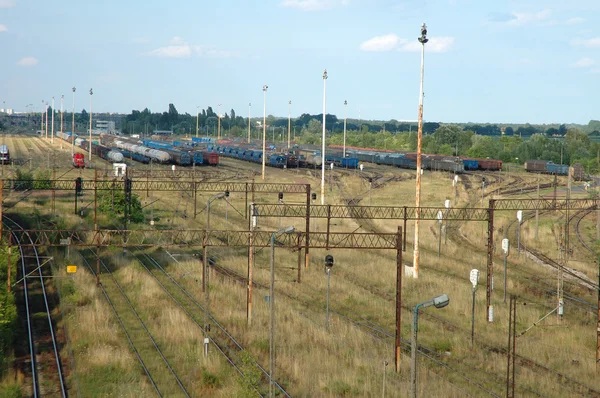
pixel 280 195
pixel 226 194
pixel 128 185
pixel 78 185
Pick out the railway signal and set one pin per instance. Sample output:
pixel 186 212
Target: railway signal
pixel 79 186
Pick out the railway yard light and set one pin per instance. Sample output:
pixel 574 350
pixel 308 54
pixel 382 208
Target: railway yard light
pixel 422 39
pixel 323 138
pixel 286 230
pixel 437 302
pixel 264 145
pixel 90 152
pixel 328 266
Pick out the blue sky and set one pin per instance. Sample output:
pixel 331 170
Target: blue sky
pixel 487 61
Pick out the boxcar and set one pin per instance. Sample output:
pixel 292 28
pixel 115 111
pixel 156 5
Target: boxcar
pixel 558 169
pixel 578 172
pixel 536 166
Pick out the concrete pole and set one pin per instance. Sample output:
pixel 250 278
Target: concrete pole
pixel 62 113
pixel 197 117
pixel 249 106
pixel 73 125
pixel 264 146
pixel 323 139
pixel 419 149
pixel 52 121
pixel 537 220
pixel 345 114
pixel 289 122
pixel 90 146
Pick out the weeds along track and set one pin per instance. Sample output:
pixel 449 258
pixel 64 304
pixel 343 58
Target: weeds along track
pixel 585 245
pixel 146 349
pixel 220 338
pixel 472 374
pixel 44 347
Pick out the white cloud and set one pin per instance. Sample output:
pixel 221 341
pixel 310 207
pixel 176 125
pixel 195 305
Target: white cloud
pixel 314 5
pixel 182 51
pixel 573 21
pixel 391 42
pixel 589 43
pixel 27 61
pixel 381 43
pixel 583 63
pixel 520 18
pixel 3 28
pixel 179 48
pixel 7 3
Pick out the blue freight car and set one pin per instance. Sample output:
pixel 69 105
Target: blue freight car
pixel 558 169
pixel 471 164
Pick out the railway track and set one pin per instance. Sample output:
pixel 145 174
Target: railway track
pixel 158 369
pixel 44 347
pixel 200 314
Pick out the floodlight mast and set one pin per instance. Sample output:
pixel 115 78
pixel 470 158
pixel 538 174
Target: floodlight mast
pixel 323 139
pixel 423 39
pixel 264 146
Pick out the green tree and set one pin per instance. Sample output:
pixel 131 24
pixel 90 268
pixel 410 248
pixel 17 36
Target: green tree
pixel 113 204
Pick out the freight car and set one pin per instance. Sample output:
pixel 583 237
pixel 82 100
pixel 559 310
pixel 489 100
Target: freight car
pixel 153 154
pixel 103 152
pixel 548 167
pixel 482 164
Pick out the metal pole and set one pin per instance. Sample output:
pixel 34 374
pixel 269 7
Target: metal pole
pixel 197 117
pixel 413 354
pixel 345 114
pixel 323 139
pixel 272 316
pixel 264 146
pixel 537 218
pixel 473 317
pixel 250 265
pixel 385 364
pixel 289 122
pixel 219 123
pixel 518 238
pixel 9 261
pixel 505 255
pixel 440 239
pixel 327 305
pixel 249 106
pixel 398 298
pixel 307 237
pixel 73 124
pixel 52 129
pixel 598 325
pixel 490 263
pixel 90 151
pixel 423 40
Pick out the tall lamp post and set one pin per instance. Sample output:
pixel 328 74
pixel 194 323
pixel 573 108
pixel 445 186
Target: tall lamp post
pixel 52 129
pixel 73 124
pixel 423 39
pixel 62 113
pixel 249 106
pixel 345 113
pixel 286 230
pixel 289 122
pixel 197 117
pixel 46 119
pixel 437 302
pixel 219 122
pixel 264 148
pixel 323 139
pixel 90 151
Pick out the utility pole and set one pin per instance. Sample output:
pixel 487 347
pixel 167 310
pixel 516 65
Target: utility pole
pixel 73 124
pixel 289 122
pixel 345 114
pixel 52 130
pixel 249 106
pixel 62 113
pixel 323 139
pixel 264 146
pixel 90 146
pixel 423 39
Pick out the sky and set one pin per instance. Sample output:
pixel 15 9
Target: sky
pixel 486 61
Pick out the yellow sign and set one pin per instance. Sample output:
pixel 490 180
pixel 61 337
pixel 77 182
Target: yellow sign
pixel 71 269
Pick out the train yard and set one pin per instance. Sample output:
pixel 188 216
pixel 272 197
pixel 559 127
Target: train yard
pixel 163 303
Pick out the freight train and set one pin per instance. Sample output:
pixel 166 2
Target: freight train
pixel 429 162
pixel 409 160
pixel 548 167
pixel 295 157
pixel 101 151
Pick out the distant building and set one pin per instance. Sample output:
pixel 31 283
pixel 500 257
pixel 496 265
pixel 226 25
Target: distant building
pixel 8 111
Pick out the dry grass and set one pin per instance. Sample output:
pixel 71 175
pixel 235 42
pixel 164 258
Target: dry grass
pixel 345 360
